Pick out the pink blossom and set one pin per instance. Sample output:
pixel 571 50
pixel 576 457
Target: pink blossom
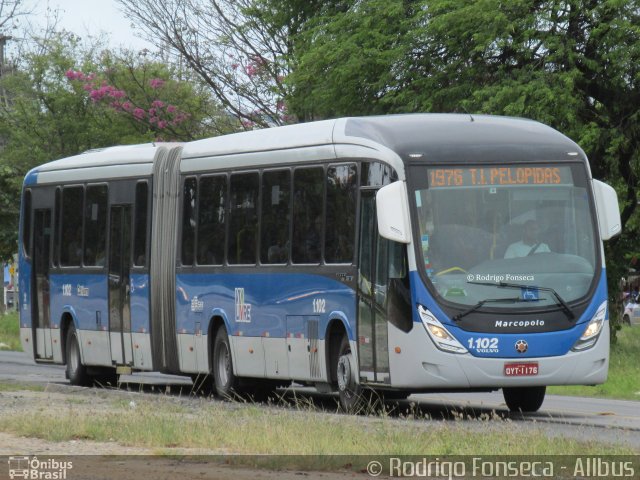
pixel 152 119
pixel 234 66
pixel 280 105
pixel 157 104
pixel 251 70
pixel 171 109
pixel 117 93
pixel 152 112
pixel 162 124
pixel 126 106
pixel 156 83
pixel 139 113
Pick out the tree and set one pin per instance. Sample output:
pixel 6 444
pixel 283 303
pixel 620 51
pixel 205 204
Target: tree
pixel 574 65
pixel 241 58
pixel 50 112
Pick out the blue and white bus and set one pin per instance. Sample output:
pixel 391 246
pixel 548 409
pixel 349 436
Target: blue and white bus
pixel 398 254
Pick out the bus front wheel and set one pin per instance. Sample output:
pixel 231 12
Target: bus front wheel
pixel 76 371
pixel 223 376
pixel 351 394
pixel 524 399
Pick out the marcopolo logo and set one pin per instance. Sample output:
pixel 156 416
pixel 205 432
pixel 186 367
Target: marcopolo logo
pixel 518 323
pixel 32 468
pixel 243 310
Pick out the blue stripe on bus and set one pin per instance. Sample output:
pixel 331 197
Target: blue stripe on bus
pixel 544 344
pixel 258 304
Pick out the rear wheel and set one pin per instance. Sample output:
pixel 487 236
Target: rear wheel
pixel 524 399
pixel 626 319
pixel 76 371
pixel 224 379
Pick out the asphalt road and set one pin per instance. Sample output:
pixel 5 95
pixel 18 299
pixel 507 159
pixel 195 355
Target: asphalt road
pixel 614 421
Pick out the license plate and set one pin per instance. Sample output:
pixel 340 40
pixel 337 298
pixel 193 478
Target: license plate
pixel 521 369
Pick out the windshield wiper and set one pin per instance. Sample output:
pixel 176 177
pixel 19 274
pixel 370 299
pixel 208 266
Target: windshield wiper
pixel 559 300
pixel 457 317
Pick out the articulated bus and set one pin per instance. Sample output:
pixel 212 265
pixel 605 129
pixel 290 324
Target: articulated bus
pixel 391 254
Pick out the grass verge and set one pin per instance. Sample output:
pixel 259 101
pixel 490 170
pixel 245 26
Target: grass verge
pixel 10 332
pixel 163 424
pixel 624 371
pixel 17 387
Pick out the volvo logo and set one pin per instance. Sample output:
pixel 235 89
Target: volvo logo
pixel 521 346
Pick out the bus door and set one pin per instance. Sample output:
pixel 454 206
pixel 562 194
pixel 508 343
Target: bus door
pixel 372 331
pixel 40 283
pixel 119 284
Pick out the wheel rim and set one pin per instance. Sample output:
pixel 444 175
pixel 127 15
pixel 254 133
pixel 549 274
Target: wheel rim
pixel 344 375
pixel 74 359
pixel 224 364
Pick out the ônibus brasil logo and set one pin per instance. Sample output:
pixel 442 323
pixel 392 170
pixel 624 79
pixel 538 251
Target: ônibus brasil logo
pixel 243 310
pixel 32 468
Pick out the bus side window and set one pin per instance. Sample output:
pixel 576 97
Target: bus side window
pixel 95 225
pixel 308 200
pixel 190 193
pixel 212 220
pixel 55 255
pixel 341 213
pixel 71 234
pixel 243 218
pixel 140 225
pixel 276 216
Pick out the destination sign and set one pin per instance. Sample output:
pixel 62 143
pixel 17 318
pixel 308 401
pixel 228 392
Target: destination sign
pixel 497 176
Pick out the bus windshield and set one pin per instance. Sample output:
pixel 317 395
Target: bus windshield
pixel 482 227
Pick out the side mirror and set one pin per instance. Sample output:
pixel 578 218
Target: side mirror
pixel 393 212
pixel 608 211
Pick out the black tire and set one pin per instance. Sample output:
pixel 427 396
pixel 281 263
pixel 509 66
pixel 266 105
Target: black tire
pixel 224 380
pixel 394 394
pixel 105 377
pixel 353 398
pixel 626 320
pixel 202 384
pixel 76 371
pixel 524 399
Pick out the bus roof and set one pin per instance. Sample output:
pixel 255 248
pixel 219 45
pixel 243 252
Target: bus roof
pixel 408 138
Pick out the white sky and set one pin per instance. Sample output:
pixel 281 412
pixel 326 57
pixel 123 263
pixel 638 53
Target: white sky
pixel 90 17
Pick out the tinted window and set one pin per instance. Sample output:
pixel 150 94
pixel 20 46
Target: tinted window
pixel 212 220
pixel 243 216
pixel 308 198
pixel 71 232
pixel 95 225
pixel 26 223
pixel 276 216
pixel 341 213
pixel 190 192
pixel 56 228
pixel 140 232
pixel 376 174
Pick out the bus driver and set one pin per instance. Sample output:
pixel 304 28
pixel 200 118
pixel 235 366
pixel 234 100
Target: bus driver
pixel 529 243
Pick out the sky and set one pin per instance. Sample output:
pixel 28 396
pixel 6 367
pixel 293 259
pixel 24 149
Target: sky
pixel 89 17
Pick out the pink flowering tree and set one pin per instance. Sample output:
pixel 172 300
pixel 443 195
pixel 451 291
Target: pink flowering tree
pixel 146 94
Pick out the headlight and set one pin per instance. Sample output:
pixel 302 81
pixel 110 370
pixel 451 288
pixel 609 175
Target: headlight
pixel 592 332
pixel 438 334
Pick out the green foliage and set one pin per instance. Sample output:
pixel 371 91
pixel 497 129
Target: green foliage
pixel 45 116
pixel 574 65
pixel 10 331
